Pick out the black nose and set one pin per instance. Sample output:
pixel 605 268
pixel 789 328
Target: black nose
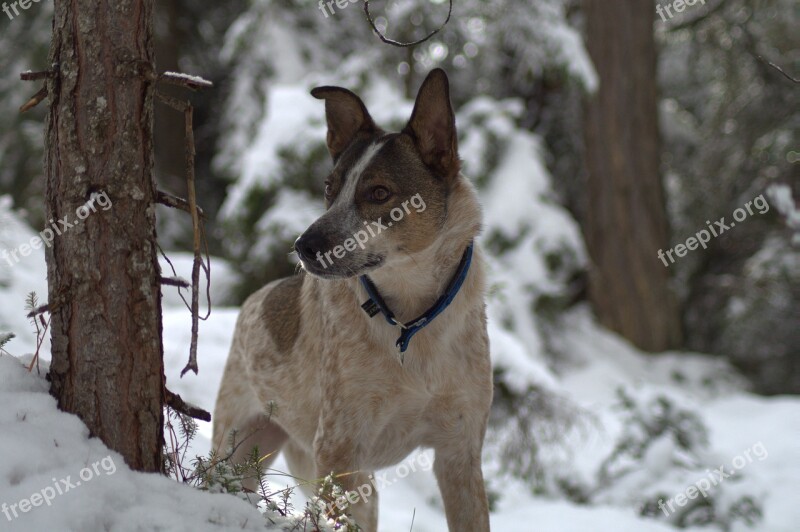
pixel 309 245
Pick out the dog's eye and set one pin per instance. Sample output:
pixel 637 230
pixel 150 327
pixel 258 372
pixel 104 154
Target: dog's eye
pixel 328 190
pixel 380 194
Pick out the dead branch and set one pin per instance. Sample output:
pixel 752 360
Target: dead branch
pixel 185 80
pixel 174 281
pixel 190 176
pixel 197 230
pixel 175 202
pixel 178 105
pixel 33 76
pixel 175 402
pixel 35 99
pixel 779 69
pixel 405 44
pixel 39 310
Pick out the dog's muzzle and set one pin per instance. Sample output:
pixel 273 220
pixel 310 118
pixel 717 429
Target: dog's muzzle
pixel 309 245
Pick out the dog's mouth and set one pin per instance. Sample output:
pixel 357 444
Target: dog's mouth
pixel 341 271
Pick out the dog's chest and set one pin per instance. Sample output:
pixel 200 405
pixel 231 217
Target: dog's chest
pixel 412 405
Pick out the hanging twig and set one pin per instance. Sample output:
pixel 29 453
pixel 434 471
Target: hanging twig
pixel 779 69
pixel 190 154
pixel 175 274
pixel 188 113
pixel 405 44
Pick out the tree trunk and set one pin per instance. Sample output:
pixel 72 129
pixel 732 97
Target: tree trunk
pixel 104 294
pixel 626 221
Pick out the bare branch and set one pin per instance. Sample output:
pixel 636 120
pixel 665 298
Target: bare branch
pixel 178 105
pixel 39 310
pixel 185 80
pixel 190 178
pixel 174 281
pixel 779 69
pixel 34 101
pixel 405 44
pixel 175 402
pixel 33 76
pixel 189 205
pixel 175 202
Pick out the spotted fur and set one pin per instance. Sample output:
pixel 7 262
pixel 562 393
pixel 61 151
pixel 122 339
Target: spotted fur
pixel 311 374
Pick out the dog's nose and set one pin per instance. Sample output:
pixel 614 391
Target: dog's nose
pixel 308 245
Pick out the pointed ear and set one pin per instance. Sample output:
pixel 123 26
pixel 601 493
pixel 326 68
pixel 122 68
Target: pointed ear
pixel 433 125
pixel 346 115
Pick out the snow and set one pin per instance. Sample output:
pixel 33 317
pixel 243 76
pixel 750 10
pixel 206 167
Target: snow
pixel 290 111
pixel 781 196
pixel 682 413
pixel 38 443
pixel 586 392
pixel 197 80
pixel 41 447
pixel 18 278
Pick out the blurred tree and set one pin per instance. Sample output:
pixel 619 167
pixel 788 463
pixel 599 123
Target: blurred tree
pixel 731 127
pixel 626 222
pixel 24 43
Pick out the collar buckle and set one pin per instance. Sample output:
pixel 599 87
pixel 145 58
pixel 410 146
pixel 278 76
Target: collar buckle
pixel 376 304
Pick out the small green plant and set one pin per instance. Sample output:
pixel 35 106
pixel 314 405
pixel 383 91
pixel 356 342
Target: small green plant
pixel 40 325
pixel 4 339
pixel 217 473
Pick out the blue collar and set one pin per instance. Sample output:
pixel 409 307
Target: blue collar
pixel 376 304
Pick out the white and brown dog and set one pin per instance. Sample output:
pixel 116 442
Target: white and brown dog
pixel 347 393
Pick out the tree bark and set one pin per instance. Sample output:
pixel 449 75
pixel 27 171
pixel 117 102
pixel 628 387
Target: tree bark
pixel 626 221
pixel 104 296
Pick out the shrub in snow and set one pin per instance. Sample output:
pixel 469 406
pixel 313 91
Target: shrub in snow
pixel 661 455
pixel 759 322
pixel 529 439
pixel 4 339
pixel 216 473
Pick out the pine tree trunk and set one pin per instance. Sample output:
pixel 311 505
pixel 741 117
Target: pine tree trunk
pixel 626 221
pixel 104 295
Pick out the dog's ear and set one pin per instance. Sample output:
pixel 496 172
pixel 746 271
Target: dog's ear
pixel 346 115
pixel 433 126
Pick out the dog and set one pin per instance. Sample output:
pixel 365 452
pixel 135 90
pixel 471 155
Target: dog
pixel 379 345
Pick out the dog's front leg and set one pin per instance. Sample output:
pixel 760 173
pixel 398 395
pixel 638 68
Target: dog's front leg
pixel 458 472
pixel 362 497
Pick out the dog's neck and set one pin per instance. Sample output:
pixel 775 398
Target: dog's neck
pixel 410 286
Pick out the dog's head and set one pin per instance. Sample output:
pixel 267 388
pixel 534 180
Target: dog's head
pixel 386 196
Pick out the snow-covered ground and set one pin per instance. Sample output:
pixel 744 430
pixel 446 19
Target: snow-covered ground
pixel 46 452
